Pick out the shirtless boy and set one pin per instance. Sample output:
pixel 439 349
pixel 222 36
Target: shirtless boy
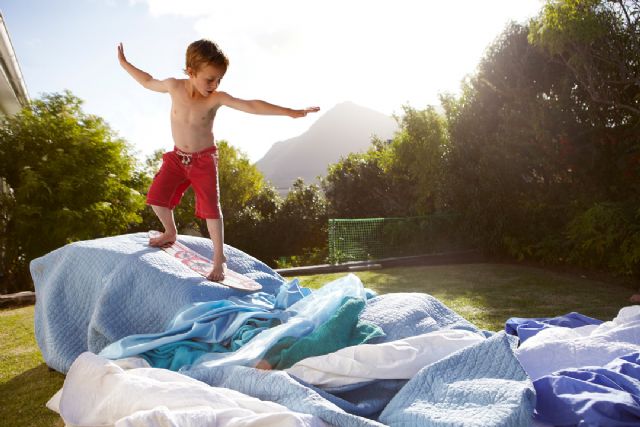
pixel 194 103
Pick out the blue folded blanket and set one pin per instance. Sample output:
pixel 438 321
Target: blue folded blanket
pixel 524 328
pixel 204 327
pixel 92 293
pixel 607 396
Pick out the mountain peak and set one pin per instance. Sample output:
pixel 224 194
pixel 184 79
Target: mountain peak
pixel 346 104
pixel 347 111
pixel 345 128
pixel 350 106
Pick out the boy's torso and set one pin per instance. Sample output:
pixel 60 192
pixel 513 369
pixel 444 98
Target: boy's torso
pixel 192 118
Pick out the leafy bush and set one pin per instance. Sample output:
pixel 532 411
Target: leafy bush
pixel 69 178
pixel 606 236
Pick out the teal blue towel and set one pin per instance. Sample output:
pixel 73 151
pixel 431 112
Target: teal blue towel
pixel 343 329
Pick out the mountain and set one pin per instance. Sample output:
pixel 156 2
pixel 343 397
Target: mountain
pixel 344 129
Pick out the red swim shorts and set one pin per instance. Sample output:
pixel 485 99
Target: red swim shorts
pixel 179 170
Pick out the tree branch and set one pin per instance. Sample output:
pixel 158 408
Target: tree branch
pixel 624 9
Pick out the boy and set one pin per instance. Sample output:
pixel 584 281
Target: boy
pixel 194 103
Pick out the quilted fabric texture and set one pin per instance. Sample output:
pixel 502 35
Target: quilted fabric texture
pixel 482 385
pixel 92 293
pixel 403 315
pixel 279 387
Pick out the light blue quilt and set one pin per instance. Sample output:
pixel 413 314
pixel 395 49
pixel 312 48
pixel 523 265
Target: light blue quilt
pixel 92 293
pixel 482 385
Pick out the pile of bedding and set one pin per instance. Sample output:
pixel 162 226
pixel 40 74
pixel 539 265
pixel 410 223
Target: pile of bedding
pixel 145 341
pixel 92 293
pixel 585 371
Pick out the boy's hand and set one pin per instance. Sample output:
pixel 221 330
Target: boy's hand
pixel 121 57
pixel 302 113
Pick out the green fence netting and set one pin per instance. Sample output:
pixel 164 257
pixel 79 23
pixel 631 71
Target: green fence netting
pixel 374 238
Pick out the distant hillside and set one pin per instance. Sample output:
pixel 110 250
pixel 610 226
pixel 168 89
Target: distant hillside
pixel 344 129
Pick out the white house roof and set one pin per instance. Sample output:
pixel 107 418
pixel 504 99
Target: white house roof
pixel 13 91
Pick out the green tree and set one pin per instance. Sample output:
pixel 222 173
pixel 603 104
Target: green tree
pixel 303 218
pixel 69 177
pixel 417 159
pixel 358 186
pixel 537 166
pixel 511 165
pixel 599 41
pixel 240 181
pixel 255 228
pixel 400 178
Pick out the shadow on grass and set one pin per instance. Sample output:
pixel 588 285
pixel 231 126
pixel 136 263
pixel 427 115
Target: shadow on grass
pixel 488 294
pixel 23 398
pixel 491 293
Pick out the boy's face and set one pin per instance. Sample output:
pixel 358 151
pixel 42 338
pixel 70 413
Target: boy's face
pixel 206 79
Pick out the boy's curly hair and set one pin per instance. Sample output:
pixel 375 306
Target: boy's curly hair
pixel 203 52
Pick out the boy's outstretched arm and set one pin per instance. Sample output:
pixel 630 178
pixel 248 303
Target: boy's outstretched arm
pixel 144 78
pixel 256 106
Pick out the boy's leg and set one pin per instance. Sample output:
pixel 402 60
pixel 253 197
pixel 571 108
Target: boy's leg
pixel 216 231
pixel 166 190
pixel 165 215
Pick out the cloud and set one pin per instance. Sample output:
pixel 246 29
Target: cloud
pixel 378 53
pixel 350 47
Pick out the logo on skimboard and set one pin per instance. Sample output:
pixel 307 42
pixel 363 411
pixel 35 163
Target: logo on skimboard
pixel 203 266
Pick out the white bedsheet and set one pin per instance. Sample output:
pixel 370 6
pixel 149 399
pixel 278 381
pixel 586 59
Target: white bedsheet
pixel 400 359
pixel 559 348
pixel 99 392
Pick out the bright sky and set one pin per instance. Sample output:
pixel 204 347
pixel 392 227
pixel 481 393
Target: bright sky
pixel 381 54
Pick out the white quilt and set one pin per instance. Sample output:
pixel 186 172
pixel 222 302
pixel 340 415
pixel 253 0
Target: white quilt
pixel 559 348
pixel 400 359
pixel 99 392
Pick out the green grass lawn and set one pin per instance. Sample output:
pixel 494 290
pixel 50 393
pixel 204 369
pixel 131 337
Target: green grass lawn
pixel 488 294
pixel 26 383
pixel 485 294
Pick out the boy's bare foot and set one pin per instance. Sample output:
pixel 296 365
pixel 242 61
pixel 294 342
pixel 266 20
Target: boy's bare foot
pixel 218 272
pixel 159 240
